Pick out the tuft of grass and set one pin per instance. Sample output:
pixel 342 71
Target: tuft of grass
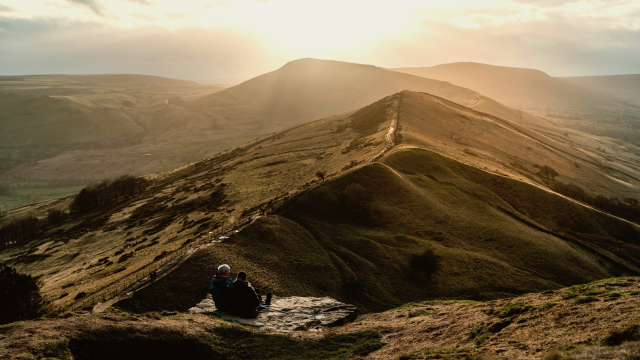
pixel 613 296
pixel 579 288
pixel 586 299
pixel 554 355
pixel 569 295
pixel 449 302
pixel 548 305
pixel 595 292
pixel 435 354
pixel 483 339
pixel 54 349
pixel 478 330
pixel 405 306
pixel 521 320
pixel 617 337
pixel 634 293
pixel 510 309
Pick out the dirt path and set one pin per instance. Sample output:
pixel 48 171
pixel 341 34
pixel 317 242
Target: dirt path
pixel 390 136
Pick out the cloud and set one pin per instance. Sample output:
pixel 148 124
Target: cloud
pixel 190 41
pixel 543 3
pixel 94 5
pixel 142 2
pixel 56 47
pixel 478 21
pixel 5 8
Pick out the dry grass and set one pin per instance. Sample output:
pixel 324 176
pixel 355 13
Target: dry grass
pixel 427 330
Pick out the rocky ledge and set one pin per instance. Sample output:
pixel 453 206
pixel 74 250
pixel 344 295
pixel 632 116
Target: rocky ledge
pixel 287 314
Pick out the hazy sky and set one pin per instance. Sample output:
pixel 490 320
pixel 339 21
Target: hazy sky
pixel 238 39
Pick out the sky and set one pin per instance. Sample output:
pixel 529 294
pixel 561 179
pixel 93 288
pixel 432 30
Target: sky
pixel 234 40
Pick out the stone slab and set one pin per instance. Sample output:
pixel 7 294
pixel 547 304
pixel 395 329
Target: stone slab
pixel 287 314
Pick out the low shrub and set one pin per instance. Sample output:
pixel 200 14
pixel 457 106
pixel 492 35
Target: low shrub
pixel 595 292
pixel 547 305
pixel 586 299
pixel 613 296
pixel 54 349
pixel 510 309
pixel 483 339
pixel 617 337
pixel 20 297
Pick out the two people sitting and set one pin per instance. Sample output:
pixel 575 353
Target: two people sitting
pixel 235 297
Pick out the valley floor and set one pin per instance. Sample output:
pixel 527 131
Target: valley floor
pixel 600 320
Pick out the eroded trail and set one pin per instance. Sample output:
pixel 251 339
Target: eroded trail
pixel 390 136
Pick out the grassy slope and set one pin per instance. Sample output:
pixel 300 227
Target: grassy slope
pixel 58 120
pixel 509 148
pixel 482 225
pixel 172 337
pixel 320 246
pixel 551 325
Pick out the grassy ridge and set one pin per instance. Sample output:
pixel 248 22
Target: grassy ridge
pixel 325 245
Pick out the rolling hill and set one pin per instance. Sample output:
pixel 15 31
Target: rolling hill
pixel 64 130
pixel 310 89
pixel 67 129
pixel 463 183
pixel 526 89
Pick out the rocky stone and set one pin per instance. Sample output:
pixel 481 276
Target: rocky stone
pixel 287 314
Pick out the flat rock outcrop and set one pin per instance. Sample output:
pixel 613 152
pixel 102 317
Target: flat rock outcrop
pixel 287 314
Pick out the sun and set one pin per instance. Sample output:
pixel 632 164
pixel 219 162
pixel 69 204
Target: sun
pixel 320 26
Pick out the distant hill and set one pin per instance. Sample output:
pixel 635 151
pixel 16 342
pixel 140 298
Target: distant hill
pixel 82 127
pixel 310 89
pixel 42 120
pixel 625 88
pixel 61 84
pixel 142 124
pixel 526 89
pixel 466 184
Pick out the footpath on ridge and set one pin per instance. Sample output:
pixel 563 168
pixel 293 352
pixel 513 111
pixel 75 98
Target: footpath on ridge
pixel 173 263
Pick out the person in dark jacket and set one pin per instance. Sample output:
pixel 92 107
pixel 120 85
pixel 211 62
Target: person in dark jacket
pixel 220 287
pixel 244 299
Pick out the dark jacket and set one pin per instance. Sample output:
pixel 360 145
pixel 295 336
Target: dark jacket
pixel 244 300
pixel 220 288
